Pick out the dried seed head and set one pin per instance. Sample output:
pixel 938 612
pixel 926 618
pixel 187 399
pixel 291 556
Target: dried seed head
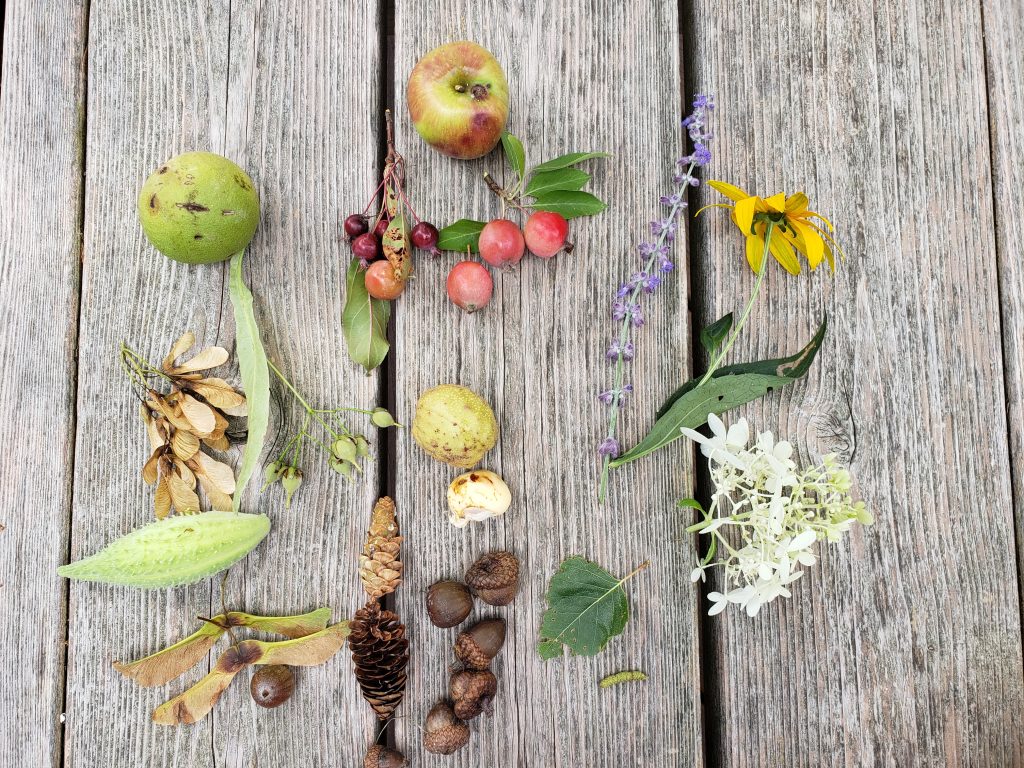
pixel 495 578
pixel 478 645
pixel 384 757
pixel 448 603
pixel 472 692
pixel 443 732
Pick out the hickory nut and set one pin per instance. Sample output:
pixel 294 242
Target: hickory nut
pixel 476 496
pixel 443 732
pixel 480 643
pixel 495 578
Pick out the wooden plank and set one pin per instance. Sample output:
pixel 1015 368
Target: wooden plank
pixel 156 83
pixel 537 354
pixel 903 646
pixel 305 123
pixel 1004 39
pixel 41 103
pixel 281 105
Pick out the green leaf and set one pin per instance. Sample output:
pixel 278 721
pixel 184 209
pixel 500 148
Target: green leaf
pixel 712 336
pixel 252 364
pixel 566 160
pixel 364 321
pixel 569 204
pixel 717 395
pixel 792 367
pixel 515 153
pixel 587 607
pixel 464 233
pixel 568 179
pixel 691 503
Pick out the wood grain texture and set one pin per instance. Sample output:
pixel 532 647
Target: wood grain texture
pixel 41 100
pixel 536 353
pixel 903 646
pixel 1004 40
pixel 279 102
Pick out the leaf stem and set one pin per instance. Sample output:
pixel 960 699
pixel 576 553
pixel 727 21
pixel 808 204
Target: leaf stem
pixel 298 396
pixel 502 194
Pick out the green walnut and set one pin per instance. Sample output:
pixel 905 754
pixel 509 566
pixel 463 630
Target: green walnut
pixel 455 425
pixel 199 208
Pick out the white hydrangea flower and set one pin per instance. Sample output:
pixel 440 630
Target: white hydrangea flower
pixel 767 514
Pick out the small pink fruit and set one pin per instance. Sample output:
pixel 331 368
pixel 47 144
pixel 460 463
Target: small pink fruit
pixel 501 243
pixel 470 285
pixel 381 282
pixel 545 233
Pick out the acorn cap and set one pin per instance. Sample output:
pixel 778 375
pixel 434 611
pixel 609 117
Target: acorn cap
pixel 472 692
pixel 448 603
pixel 495 578
pixel 480 643
pixel 443 732
pixel 384 757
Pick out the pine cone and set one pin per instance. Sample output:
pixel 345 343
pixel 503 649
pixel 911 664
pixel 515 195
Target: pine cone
pixel 379 566
pixel 380 653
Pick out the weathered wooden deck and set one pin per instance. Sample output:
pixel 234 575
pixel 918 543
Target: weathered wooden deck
pixel 903 121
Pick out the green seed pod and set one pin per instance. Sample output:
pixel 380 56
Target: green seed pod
pixel 178 550
pixel 341 467
pixel 381 417
pixel 344 448
pixel 272 474
pixel 362 447
pixel 291 480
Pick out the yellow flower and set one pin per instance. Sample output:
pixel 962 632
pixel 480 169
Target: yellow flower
pixel 791 228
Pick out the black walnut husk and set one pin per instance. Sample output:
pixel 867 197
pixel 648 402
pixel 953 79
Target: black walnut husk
pixel 495 578
pixel 380 652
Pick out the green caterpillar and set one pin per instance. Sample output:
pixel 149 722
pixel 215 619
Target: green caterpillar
pixel 178 550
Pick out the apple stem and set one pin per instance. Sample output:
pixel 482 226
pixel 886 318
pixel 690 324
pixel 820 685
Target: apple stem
pixel 502 194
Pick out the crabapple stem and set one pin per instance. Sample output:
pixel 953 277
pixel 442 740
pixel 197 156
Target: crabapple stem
pixel 496 189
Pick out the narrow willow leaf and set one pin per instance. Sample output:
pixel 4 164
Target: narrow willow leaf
pixel 515 153
pixel 165 665
pixel 289 626
pixel 712 336
pixel 364 321
pixel 718 395
pixel 565 161
pixel 587 607
pixel 628 676
pixel 464 233
pixel 793 367
pixel 566 179
pixel 252 364
pixel 305 651
pixel 177 550
pixel 569 204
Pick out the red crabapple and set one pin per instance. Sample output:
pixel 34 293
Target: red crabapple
pixel 424 235
pixel 381 282
pixel 355 225
pixel 381 227
pixel 366 247
pixel 470 285
pixel 545 233
pixel 501 243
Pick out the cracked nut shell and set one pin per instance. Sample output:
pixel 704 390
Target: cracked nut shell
pixel 495 578
pixel 448 603
pixel 472 692
pixel 443 732
pixel 480 643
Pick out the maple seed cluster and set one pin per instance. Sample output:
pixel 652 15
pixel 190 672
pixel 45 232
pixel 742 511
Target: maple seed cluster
pixel 180 423
pixel 494 579
pixel 383 242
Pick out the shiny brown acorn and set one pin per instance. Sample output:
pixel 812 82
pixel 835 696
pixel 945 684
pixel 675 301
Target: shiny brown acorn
pixel 480 643
pixel 272 686
pixel 448 603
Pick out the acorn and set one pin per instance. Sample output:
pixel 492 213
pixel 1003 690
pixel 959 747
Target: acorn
pixel 272 685
pixel 384 757
pixel 495 578
pixel 472 691
pixel 448 603
pixel 443 732
pixel 480 643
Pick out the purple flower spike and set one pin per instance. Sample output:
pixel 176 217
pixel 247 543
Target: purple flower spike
pixel 617 350
pixel 609 447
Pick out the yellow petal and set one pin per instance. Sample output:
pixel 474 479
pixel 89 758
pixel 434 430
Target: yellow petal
pixel 755 252
pixel 796 202
pixel 713 205
pixel 813 245
pixel 828 223
pixel 783 253
pixel 734 193
pixel 831 244
pixel 777 202
pixel 745 213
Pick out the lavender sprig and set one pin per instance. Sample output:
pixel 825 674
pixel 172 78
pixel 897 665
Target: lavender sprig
pixel 656 263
